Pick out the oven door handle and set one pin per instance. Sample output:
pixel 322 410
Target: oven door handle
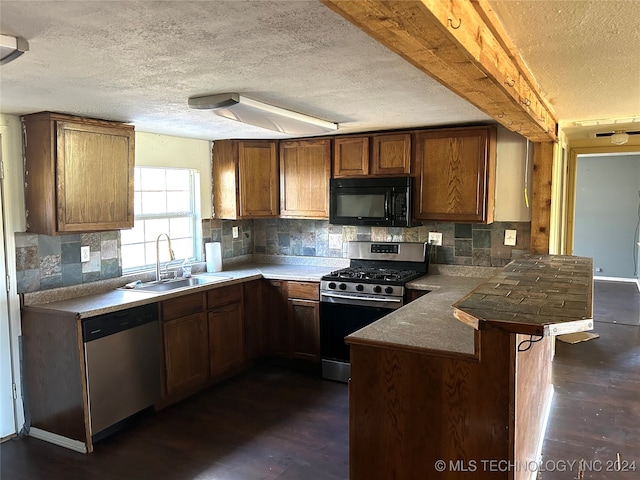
pixel 373 299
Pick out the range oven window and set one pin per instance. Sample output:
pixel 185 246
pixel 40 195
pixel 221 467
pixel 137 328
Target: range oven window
pixel 361 205
pixel 337 320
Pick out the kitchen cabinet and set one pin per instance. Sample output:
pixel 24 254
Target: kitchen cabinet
pixel 350 156
pixel 275 317
pixel 245 179
pixel 254 344
pixel 389 155
pixel 226 329
pixel 305 170
pixel 78 174
pixel 186 348
pixel 455 174
pixel 304 320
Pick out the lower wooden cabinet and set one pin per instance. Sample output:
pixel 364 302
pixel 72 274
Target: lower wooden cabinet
pixel 304 329
pixel 303 311
pixel 186 352
pixel 226 339
pixel 275 317
pixel 203 338
pixel 254 336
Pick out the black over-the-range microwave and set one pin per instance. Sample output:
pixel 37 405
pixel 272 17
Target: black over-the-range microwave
pixel 372 201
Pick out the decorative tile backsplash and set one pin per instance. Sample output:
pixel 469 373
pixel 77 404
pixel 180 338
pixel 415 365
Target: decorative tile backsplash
pixel 462 244
pixel 45 262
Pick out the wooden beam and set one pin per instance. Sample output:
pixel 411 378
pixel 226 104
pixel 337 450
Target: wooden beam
pixel 461 44
pixel 541 197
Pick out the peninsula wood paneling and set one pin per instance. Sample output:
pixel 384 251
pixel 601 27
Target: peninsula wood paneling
pixel 427 408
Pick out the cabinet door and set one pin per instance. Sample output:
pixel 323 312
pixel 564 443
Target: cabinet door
pixel 350 157
pixel 186 352
pixel 304 329
pixel 305 169
pixel 275 317
pixel 456 171
pixel 224 174
pixel 391 154
pixel 258 166
pixel 253 320
pixel 95 177
pixel 226 339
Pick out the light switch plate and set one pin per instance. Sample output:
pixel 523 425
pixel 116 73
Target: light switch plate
pixel 234 232
pixel 435 238
pixel 85 254
pixel 510 237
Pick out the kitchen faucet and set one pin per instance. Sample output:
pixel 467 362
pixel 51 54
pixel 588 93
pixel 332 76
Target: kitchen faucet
pixel 171 254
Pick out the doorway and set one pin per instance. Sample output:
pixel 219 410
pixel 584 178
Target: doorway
pixel 606 213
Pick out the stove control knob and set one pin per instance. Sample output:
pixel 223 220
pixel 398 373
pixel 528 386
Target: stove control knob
pixel 343 286
pixel 359 288
pixel 377 289
pixel 332 285
pixel 388 290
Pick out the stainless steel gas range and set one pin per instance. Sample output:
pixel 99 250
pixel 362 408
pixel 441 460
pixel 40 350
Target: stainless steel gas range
pixel 370 288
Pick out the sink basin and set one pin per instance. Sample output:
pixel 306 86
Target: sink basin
pixel 174 284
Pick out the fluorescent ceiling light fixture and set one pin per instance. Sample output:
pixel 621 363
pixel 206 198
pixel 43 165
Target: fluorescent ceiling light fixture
pixel 242 109
pixel 11 48
pixel 619 138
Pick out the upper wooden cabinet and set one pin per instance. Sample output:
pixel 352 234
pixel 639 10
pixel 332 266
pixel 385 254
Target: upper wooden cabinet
pixel 245 179
pixel 78 174
pixel 455 174
pixel 305 169
pixel 381 155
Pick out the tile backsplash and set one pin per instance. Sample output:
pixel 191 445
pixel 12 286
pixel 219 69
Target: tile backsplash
pixel 45 262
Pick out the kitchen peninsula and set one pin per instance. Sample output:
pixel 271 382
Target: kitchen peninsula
pixel 432 396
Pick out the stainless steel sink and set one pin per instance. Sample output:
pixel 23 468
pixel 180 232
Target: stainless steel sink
pixel 174 284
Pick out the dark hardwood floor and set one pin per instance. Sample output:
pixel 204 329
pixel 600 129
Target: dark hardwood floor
pixel 278 424
pixel 268 423
pixel 596 409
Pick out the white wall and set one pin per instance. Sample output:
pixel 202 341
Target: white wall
pixel 166 151
pixel 511 153
pixel 14 218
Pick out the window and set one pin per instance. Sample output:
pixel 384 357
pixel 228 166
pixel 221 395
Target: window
pixel 165 201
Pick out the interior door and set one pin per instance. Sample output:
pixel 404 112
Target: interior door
pixel 7 412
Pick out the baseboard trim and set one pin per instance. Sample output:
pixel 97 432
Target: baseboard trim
pixel 58 440
pixel 616 279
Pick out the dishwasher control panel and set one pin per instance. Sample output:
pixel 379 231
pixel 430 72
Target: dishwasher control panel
pixel 100 326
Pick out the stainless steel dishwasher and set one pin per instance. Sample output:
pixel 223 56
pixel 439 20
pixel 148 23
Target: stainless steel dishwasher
pixel 122 358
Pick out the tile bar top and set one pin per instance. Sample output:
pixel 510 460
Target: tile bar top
pixel 534 295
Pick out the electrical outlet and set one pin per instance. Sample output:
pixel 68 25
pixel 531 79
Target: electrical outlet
pixel 435 238
pixel 235 232
pixel 85 254
pixel 510 237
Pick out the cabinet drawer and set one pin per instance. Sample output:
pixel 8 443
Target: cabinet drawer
pixel 224 296
pixel 304 290
pixel 182 306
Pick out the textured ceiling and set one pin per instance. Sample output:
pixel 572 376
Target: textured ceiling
pixel 584 54
pixel 139 61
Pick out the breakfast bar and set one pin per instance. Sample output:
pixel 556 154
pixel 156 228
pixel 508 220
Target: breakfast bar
pixel 463 385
